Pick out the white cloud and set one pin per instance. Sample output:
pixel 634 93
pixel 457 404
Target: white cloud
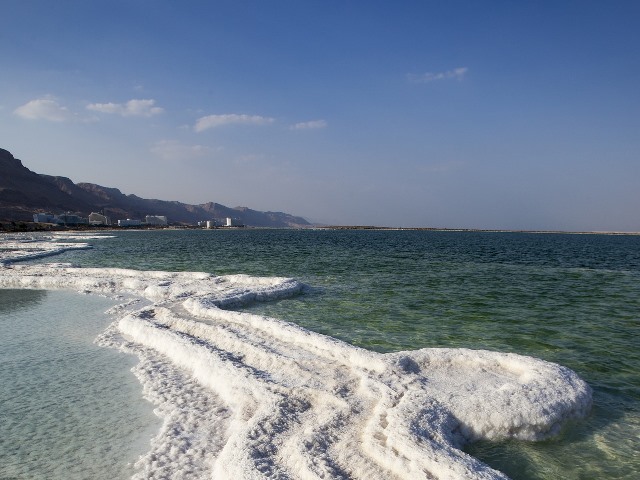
pixel 456 73
pixel 309 125
pixel 213 121
pixel 174 150
pixel 46 108
pixel 133 108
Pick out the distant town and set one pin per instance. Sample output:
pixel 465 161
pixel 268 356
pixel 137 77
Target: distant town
pixel 99 220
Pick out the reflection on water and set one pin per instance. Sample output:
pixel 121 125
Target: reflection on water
pixel 14 300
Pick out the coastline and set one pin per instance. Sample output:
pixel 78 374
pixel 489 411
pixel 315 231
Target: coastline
pixel 27 227
pixel 478 230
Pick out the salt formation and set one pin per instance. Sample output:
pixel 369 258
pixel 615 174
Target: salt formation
pixel 248 397
pixel 25 247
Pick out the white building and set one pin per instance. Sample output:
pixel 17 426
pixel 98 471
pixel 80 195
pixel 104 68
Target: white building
pixel 62 219
pixel 98 219
pixel 233 222
pixel 155 220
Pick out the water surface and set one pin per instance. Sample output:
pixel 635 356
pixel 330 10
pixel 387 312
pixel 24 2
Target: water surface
pixel 570 299
pixel 70 409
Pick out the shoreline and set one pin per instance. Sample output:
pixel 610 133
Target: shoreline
pixel 480 230
pixel 26 227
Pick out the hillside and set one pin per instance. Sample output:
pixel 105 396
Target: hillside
pixel 23 193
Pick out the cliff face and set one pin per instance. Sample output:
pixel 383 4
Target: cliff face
pixel 23 192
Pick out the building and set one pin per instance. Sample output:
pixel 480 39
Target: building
pixel 209 224
pixel 129 223
pixel 62 219
pixel 98 219
pixel 70 219
pixel 155 220
pixel 44 218
pixel 233 222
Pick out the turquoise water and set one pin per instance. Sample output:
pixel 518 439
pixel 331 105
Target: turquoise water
pixel 571 299
pixel 69 408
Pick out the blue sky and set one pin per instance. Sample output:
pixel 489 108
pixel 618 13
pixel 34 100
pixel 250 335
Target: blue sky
pixel 494 114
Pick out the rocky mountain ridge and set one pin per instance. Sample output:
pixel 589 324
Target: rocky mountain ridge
pixel 23 193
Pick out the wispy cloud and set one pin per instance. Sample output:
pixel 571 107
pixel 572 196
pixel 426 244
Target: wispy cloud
pixel 309 125
pixel 45 108
pixel 174 150
pixel 213 121
pixel 133 108
pixel 456 73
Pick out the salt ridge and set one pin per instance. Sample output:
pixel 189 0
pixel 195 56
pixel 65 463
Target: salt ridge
pixel 250 397
pixel 16 248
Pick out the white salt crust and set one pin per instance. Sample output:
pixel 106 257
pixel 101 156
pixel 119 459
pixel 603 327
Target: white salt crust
pixel 249 397
pixel 17 248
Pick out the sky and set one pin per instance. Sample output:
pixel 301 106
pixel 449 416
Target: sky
pixel 456 114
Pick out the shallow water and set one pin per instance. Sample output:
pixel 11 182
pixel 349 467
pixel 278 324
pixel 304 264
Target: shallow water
pixel 69 408
pixel 571 299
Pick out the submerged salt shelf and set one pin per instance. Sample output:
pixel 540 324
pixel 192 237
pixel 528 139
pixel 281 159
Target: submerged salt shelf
pixel 246 396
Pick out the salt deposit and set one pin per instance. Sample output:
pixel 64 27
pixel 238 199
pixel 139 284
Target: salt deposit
pixel 18 247
pixel 246 397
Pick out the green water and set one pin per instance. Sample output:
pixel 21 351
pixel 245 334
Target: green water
pixel 571 299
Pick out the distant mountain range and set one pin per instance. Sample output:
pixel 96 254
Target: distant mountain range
pixel 23 193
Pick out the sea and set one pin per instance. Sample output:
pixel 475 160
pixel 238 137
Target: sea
pixel 275 353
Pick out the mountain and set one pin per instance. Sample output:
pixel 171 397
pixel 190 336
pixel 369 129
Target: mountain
pixel 23 193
